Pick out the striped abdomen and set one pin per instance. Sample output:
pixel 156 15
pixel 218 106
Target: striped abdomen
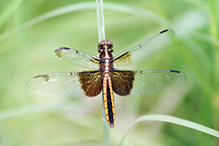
pixel 108 99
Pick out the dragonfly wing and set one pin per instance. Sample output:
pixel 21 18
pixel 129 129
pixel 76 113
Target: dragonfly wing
pixel 127 82
pixel 122 81
pixel 80 58
pixel 144 50
pixel 71 84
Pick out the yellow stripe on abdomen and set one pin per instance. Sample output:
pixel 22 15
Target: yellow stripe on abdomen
pixel 108 100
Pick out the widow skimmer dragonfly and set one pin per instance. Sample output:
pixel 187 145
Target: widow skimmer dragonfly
pixel 106 77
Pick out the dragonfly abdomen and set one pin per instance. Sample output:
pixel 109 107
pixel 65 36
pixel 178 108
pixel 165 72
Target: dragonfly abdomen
pixel 108 100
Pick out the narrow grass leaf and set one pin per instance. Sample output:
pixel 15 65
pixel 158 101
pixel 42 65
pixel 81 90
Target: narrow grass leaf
pixel 174 120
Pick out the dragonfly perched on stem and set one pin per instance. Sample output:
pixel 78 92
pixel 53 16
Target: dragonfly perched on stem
pixel 106 76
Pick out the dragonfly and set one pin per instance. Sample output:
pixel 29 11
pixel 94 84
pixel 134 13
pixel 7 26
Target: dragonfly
pixel 106 74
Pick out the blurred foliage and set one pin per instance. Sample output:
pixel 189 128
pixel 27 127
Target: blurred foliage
pixel 30 117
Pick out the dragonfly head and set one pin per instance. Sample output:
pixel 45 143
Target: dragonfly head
pixel 105 44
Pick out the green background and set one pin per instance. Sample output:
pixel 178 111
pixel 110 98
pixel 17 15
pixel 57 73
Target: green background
pixel 28 39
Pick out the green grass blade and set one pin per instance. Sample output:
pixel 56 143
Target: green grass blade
pixel 82 6
pixel 174 120
pixel 25 110
pixel 9 10
pixel 51 14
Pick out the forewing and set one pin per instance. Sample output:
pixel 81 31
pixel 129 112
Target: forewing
pixel 72 84
pixel 80 58
pixel 144 50
pixel 146 81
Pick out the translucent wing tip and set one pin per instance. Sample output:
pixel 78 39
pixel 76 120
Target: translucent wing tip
pixel 182 74
pixel 65 48
pixel 176 71
pixel 59 51
pixel 34 81
pixel 167 30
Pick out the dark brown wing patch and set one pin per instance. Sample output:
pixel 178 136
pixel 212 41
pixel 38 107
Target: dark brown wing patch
pixel 90 82
pixel 122 81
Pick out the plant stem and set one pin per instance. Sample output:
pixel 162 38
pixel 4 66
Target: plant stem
pixel 100 20
pixel 101 36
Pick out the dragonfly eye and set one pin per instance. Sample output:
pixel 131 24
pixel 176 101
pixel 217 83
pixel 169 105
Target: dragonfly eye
pixel 110 45
pixel 105 42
